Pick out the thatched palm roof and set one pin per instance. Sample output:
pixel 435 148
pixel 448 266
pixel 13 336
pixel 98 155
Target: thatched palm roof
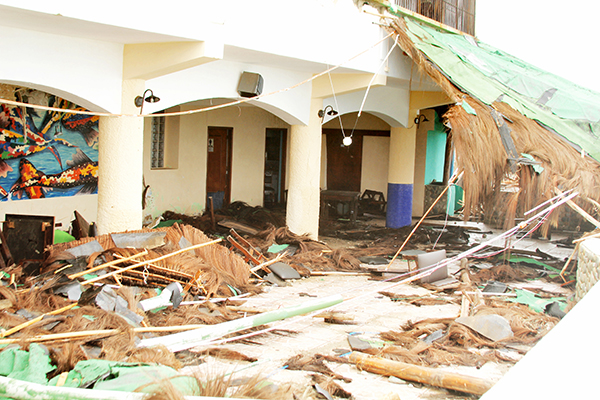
pixel 510 121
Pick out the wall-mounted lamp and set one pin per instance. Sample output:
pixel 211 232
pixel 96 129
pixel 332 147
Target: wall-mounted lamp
pixel 331 112
pixel 420 118
pixel 151 98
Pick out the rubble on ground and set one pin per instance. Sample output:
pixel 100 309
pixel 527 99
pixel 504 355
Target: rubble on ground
pixel 308 313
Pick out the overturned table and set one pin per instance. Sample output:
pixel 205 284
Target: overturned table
pixel 339 196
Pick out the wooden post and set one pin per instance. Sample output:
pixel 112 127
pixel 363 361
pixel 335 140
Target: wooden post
pixel 426 375
pixel 212 214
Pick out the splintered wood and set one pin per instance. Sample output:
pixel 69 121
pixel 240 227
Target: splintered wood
pixel 197 264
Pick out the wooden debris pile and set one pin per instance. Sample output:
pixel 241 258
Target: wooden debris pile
pixel 86 302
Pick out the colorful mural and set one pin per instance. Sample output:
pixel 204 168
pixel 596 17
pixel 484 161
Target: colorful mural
pixel 46 153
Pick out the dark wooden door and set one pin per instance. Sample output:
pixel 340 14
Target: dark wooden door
pixel 343 162
pixel 218 170
pixel 275 161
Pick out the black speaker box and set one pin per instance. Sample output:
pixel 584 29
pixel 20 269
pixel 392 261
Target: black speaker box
pixel 251 84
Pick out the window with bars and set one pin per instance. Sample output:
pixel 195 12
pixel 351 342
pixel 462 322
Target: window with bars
pixel 459 14
pixel 157 152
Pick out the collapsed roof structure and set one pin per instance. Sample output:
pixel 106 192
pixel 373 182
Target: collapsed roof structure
pixel 511 122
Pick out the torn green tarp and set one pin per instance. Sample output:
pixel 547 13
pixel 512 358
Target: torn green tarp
pixel 491 75
pixel 534 163
pixel 126 377
pixel 529 260
pixel 29 366
pixel 537 304
pixel 467 107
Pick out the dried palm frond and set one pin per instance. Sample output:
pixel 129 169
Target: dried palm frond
pixel 331 386
pixel 302 362
pixel 228 354
pixel 481 154
pixel 252 387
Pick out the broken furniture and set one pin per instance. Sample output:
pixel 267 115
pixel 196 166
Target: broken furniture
pixel 345 202
pixel 430 261
pixel 372 201
pixel 82 228
pixel 28 235
pixel 411 255
pixel 250 253
pixel 5 256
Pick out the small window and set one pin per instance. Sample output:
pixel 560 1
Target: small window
pixel 158 143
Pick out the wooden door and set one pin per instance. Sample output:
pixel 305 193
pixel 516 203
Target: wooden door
pixel 344 163
pixel 218 170
pixel 275 161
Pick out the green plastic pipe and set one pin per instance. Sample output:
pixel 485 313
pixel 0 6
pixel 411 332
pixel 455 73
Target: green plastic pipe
pixel 186 340
pixel 21 390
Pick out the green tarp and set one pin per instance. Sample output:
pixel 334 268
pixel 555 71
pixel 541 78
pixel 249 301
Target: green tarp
pixel 490 75
pixel 126 377
pixel 34 365
pixel 30 366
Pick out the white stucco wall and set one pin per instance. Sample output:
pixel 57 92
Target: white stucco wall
pixel 61 208
pixel 183 189
pixel 64 54
pixel 220 79
pixel 87 72
pixel 375 164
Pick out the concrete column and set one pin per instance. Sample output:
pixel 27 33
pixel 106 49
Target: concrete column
pixel 401 176
pixel 120 165
pixel 303 198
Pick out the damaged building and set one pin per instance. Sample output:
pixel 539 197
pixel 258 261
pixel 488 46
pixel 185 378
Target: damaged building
pixel 241 196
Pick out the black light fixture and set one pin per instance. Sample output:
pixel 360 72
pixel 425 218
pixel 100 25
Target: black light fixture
pixel 420 118
pixel 151 98
pixel 331 112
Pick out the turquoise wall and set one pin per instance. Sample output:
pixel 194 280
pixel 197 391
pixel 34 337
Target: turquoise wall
pixel 436 152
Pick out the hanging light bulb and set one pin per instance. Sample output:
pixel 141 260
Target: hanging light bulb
pixel 347 141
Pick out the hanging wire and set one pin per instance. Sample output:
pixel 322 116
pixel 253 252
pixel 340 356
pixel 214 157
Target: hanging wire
pixel 335 101
pixel 445 224
pixel 370 84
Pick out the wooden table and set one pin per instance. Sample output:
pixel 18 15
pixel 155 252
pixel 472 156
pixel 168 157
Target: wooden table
pixel 339 196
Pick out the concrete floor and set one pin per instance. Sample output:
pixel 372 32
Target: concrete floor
pixel 371 312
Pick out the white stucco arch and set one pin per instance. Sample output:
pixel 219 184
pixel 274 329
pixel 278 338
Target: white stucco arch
pixel 92 77
pixel 391 104
pixel 220 79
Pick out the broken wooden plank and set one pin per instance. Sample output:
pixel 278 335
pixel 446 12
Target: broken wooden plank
pixel 108 264
pixel 239 226
pixel 34 320
pixel 426 375
pixel 140 264
pixel 580 210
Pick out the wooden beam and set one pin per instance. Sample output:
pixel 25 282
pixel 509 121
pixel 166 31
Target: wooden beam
pixel 426 375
